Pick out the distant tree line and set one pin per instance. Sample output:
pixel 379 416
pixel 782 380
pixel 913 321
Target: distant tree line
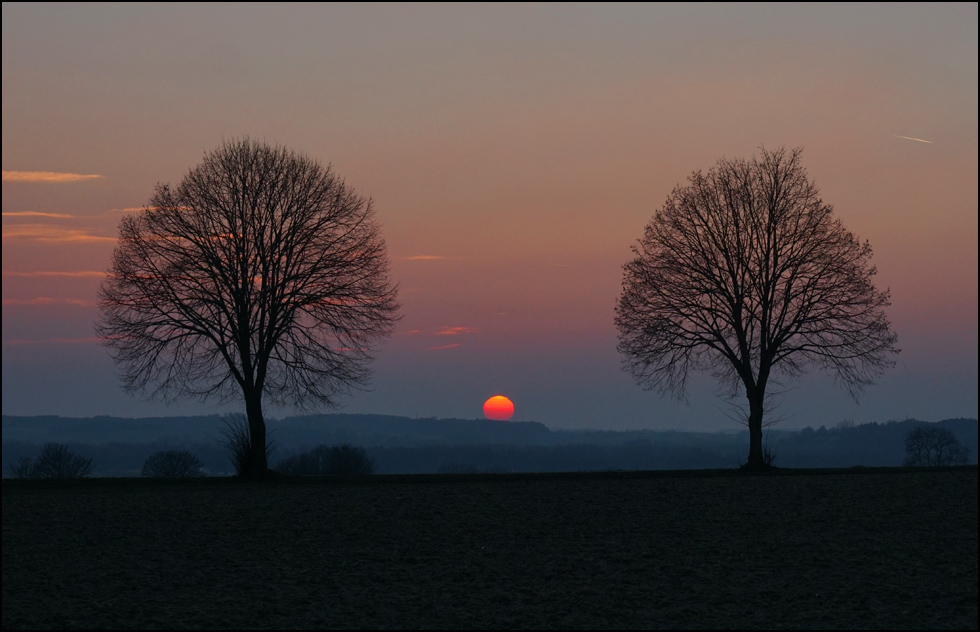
pixel 934 447
pixel 843 445
pixel 122 459
pixel 338 460
pixel 848 444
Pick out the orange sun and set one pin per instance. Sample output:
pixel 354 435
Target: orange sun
pixel 498 408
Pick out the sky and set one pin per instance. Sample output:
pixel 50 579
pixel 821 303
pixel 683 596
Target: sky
pixel 514 154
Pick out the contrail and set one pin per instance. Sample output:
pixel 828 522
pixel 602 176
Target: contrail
pixel 919 140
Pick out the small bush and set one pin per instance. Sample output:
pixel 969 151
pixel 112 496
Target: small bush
pixel 349 460
pixel 312 463
pixel 768 456
pixel 24 468
pixel 173 464
pixel 54 461
pixel 338 460
pixel 237 439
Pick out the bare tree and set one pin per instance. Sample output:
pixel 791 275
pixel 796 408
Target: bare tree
pixel 746 274
pixel 261 276
pixel 934 447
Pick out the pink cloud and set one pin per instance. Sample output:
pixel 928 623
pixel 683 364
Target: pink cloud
pixel 55 273
pixel 455 331
pixel 46 177
pixel 51 341
pixel 452 346
pixel 37 214
pixel 46 233
pixel 43 300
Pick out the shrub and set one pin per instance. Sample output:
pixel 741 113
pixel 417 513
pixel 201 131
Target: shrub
pixel 237 439
pixel 24 468
pixel 312 463
pixel 54 461
pixel 173 464
pixel 339 460
pixel 349 460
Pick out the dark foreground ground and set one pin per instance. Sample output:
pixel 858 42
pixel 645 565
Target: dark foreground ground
pixel 864 549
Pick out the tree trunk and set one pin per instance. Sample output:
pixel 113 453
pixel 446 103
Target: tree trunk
pixel 257 465
pixel 757 459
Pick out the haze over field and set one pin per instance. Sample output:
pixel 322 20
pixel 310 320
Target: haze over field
pixel 514 156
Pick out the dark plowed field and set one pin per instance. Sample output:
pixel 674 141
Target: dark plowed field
pixel 864 549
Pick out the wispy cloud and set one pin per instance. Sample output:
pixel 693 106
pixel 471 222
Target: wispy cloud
pixel 37 214
pixel 46 233
pixel 46 177
pixel 44 300
pixel 918 140
pixel 455 331
pixel 424 258
pixel 110 213
pixel 55 273
pixel 51 341
pixel 443 347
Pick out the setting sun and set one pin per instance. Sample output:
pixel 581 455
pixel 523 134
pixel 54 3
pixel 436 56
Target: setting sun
pixel 498 408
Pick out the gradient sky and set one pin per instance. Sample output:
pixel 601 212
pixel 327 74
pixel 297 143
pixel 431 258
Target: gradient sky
pixel 514 155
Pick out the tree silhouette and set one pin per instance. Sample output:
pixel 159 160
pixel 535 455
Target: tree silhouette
pixel 261 275
pixel 746 274
pixel 934 447
pixel 54 461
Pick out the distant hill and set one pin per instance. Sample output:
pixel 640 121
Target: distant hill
pixel 118 446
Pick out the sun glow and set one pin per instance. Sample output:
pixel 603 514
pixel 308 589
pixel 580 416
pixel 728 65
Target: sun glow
pixel 498 408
